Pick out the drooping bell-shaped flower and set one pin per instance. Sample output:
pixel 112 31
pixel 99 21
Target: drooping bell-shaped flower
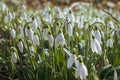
pixel 70 61
pixel 111 24
pixel 20 46
pixel 9 16
pixel 95 45
pixel 70 17
pixel 70 29
pixel 36 39
pixel 50 40
pixel 34 23
pixel 71 58
pixel 81 70
pixel 109 43
pixel 29 33
pixel 97 35
pixel 21 31
pixel 13 33
pixel 45 34
pixel 60 40
pixel 14 57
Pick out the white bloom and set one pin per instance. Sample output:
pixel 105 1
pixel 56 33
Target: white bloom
pixel 45 34
pixel 70 29
pixel 95 46
pixel 21 31
pixel 70 61
pixel 30 34
pixel 9 16
pixel 60 40
pixel 81 71
pixel 97 35
pixel 34 24
pixel 36 40
pixel 13 33
pixel 109 43
pixel 20 46
pixel 14 57
pixel 50 40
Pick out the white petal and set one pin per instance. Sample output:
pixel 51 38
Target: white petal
pixel 20 46
pixel 70 61
pixel 51 40
pixel 83 72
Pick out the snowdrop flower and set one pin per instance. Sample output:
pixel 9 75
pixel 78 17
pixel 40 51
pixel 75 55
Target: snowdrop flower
pixel 45 34
pixel 60 40
pixel 14 57
pixel 109 43
pixel 97 35
pixel 80 21
pixel 21 31
pixel 34 23
pixel 20 46
pixel 70 17
pixel 36 39
pixel 95 45
pixel 29 33
pixel 71 58
pixel 9 16
pixel 81 70
pixel 50 39
pixel 13 33
pixel 70 29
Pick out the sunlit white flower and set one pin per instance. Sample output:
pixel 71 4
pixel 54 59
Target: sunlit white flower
pixel 81 21
pixel 14 57
pixel 71 58
pixel 21 31
pixel 20 46
pixel 70 29
pixel 97 35
pixel 60 40
pixel 36 40
pixel 31 48
pixel 95 45
pixel 70 61
pixel 13 33
pixel 34 24
pixel 81 71
pixel 50 40
pixel 45 34
pixel 109 43
pixel 30 33
pixel 70 17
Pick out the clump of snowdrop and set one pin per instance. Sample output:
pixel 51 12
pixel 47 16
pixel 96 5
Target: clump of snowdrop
pixel 80 70
pixel 20 46
pixel 13 33
pixel 60 39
